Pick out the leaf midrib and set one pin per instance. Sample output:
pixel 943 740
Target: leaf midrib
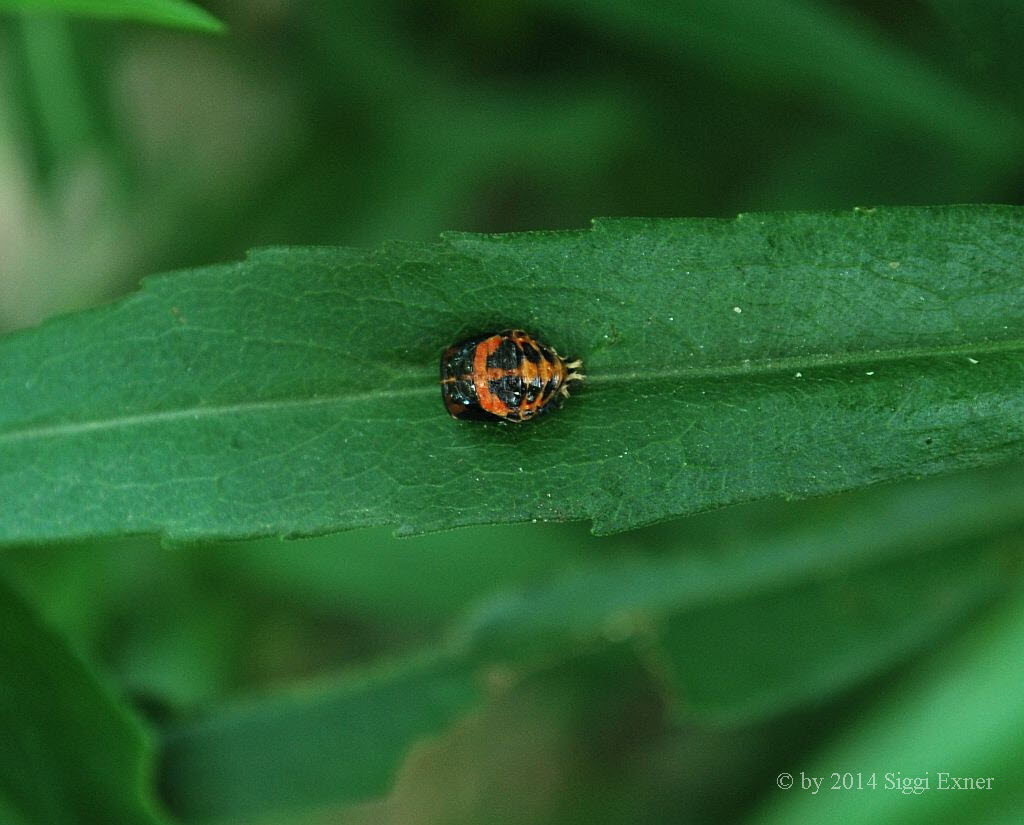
pixel 794 363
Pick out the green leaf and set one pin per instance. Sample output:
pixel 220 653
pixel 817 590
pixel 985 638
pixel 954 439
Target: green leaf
pixel 783 355
pixel 738 633
pixel 70 753
pixel 984 39
pixel 325 745
pixel 376 575
pixel 764 626
pixel 808 49
pixel 961 713
pixel 179 13
pixel 820 637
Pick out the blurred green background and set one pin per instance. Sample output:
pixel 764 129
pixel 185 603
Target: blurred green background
pixel 127 150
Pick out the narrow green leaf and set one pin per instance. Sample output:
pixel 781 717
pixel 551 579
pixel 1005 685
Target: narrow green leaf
pixel 178 13
pixel 296 392
pixel 824 606
pixel 808 48
pixel 68 751
pixel 776 651
pixel 764 626
pixel 419 582
pixel 326 745
pixel 985 39
pixel 960 714
pixel 57 98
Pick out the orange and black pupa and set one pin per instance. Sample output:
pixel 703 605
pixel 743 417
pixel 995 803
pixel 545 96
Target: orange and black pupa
pixel 504 376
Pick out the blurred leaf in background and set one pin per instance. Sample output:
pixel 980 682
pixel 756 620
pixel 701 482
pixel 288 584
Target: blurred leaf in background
pixel 729 625
pixel 68 751
pixel 135 150
pixel 164 12
pixel 664 675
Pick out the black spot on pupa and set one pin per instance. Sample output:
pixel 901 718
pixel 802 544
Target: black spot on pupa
pixel 464 388
pixel 530 351
pixel 533 389
pixel 508 389
pixel 457 361
pixel 506 357
pixel 549 356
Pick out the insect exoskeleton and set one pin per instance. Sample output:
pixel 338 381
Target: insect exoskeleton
pixel 504 376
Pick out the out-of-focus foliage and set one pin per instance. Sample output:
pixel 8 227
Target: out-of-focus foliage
pixel 129 149
pixel 69 752
pixel 835 602
pixel 165 12
pixel 962 709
